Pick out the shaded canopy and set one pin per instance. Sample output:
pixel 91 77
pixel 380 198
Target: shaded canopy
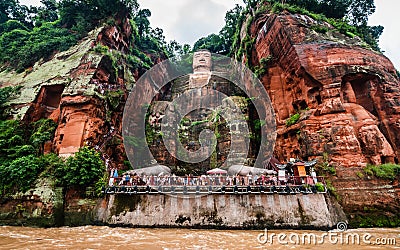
pixel 153 170
pixel 217 171
pixel 245 170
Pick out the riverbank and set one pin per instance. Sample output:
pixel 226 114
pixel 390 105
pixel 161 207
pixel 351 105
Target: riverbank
pixel 47 206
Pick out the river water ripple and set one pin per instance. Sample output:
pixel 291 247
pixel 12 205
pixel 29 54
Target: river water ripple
pixel 102 237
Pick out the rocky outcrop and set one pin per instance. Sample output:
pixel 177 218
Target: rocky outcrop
pixel 333 97
pixel 41 206
pixel 347 95
pixel 83 90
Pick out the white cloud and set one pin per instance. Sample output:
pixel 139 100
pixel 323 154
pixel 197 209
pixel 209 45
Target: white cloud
pixel 387 15
pixel 197 19
pixel 188 20
pixel 30 2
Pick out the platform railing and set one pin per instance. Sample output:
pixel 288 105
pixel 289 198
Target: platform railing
pixel 218 185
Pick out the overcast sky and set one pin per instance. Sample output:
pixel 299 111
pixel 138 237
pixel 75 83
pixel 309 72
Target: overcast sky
pixel 188 20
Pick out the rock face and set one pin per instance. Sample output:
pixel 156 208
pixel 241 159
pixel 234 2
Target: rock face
pixel 348 97
pixel 82 91
pixel 333 97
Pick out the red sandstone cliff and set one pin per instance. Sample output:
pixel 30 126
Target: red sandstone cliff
pixel 83 90
pixel 347 95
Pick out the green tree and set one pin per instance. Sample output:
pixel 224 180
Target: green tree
pixel 5 95
pixel 12 25
pixel 46 13
pixel 12 138
pixel 359 11
pixel 83 169
pixel 7 7
pixel 11 9
pixel 51 162
pixel 43 131
pixel 227 33
pixel 20 174
pixel 22 48
pixel 213 42
pixel 222 43
pixel 142 21
pixel 176 49
pixel 83 15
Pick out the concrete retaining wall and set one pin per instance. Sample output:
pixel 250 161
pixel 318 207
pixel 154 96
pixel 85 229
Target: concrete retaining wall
pixel 220 211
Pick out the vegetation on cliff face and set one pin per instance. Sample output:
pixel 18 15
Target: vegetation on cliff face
pixel 22 161
pixel 29 34
pixel 348 16
pixel 385 171
pixel 222 43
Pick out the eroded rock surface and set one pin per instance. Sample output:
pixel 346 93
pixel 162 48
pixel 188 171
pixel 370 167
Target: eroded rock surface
pixel 83 91
pixel 348 100
pixel 348 96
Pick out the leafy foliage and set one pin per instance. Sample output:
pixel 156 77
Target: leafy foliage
pixel 212 42
pixel 292 119
pixel 385 171
pixel 21 165
pixel 21 48
pixel 324 167
pixel 83 169
pixel 51 162
pixel 222 43
pixel 31 34
pixel 21 173
pixel 12 139
pixel 6 94
pixel 43 130
pixel 320 187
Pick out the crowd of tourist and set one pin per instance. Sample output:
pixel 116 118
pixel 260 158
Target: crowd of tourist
pixel 207 180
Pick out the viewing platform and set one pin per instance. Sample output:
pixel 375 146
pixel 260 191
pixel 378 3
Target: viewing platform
pixel 304 185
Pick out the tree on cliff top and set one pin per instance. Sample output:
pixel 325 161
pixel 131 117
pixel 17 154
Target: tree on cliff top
pixel 353 12
pixel 30 34
pixel 221 43
pixel 84 15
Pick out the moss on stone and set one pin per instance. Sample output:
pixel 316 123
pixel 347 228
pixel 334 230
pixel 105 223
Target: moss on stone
pixel 372 217
pixel 126 203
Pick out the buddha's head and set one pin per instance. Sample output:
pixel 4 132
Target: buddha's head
pixel 202 61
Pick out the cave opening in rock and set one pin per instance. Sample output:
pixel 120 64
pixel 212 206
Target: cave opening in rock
pixel 46 102
pixel 300 105
pixel 314 97
pixel 52 95
pixel 358 88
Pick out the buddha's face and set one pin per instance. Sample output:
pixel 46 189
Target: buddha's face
pixel 201 61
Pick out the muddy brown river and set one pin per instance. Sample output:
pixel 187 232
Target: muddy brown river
pixel 101 237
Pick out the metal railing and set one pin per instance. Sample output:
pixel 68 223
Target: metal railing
pixel 218 185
